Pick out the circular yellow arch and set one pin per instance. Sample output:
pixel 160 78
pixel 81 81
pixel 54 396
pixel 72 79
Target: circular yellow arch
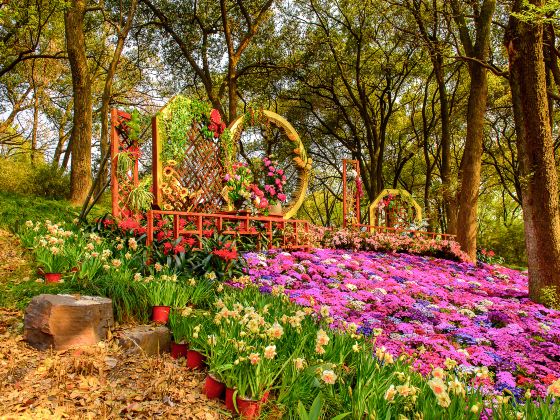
pixel 302 162
pixel 403 193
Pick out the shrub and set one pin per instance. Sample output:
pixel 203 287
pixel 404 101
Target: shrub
pixel 41 179
pixel 15 176
pixel 50 182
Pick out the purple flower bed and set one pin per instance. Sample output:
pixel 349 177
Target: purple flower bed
pixel 429 309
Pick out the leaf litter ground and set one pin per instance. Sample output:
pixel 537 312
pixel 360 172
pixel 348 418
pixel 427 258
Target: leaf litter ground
pixel 91 382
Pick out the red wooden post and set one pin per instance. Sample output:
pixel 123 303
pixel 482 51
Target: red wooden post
pixel 150 228
pixel 175 226
pixel 357 201
pixel 114 158
pixel 199 229
pixel 356 209
pixel 344 209
pixel 156 164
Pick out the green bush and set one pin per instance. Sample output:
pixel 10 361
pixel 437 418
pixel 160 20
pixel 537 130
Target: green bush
pixel 18 175
pixel 50 182
pixel 15 176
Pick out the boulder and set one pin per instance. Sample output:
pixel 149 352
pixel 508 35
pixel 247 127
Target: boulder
pixel 64 321
pixel 147 339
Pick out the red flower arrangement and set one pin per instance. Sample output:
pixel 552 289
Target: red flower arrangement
pixel 217 126
pixel 226 254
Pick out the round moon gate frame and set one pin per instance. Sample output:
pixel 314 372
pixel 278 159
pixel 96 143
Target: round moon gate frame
pixel 302 161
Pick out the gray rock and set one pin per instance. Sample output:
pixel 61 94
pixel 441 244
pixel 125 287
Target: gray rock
pixel 147 339
pixel 64 321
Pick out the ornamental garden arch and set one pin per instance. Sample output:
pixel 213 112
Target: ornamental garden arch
pixel 192 153
pixel 392 206
pixel 300 159
pixel 386 213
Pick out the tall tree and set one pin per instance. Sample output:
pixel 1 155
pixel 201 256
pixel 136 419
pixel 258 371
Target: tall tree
pixel 476 54
pixel 352 80
pixel 430 23
pixel 535 149
pixel 80 139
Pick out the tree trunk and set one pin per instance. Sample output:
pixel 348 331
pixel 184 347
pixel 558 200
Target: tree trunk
pixel 62 135
pixel 469 173
pixel 448 194
pixel 472 161
pixel 35 126
pixel 524 42
pixel 80 172
pixel 232 90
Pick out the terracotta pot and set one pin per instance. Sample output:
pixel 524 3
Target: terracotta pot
pixel 213 388
pixel 195 360
pixel 229 399
pixel 275 209
pixel 248 409
pixel 160 314
pixel 52 277
pixel 179 350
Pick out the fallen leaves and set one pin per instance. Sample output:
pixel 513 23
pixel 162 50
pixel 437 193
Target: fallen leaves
pixel 97 382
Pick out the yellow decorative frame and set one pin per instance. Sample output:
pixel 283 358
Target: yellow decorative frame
pixel 385 193
pixel 302 162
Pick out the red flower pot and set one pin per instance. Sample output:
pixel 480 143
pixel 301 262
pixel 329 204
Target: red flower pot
pixel 229 399
pixel 52 277
pixel 195 360
pixel 179 350
pixel 213 388
pixel 248 409
pixel 160 314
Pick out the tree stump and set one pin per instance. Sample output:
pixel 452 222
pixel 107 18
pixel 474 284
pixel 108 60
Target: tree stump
pixel 64 321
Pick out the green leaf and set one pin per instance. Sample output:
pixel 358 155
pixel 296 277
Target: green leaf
pixel 315 411
pixel 301 411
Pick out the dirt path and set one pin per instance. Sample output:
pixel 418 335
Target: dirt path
pixel 93 382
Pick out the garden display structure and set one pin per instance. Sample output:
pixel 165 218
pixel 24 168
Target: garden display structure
pixel 187 178
pixel 403 208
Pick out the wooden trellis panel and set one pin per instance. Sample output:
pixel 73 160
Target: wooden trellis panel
pixel 196 183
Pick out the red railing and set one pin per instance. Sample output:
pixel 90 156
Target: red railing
pixel 295 233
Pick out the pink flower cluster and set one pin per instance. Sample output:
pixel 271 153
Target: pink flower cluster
pixel 274 181
pixel 390 242
pixel 433 310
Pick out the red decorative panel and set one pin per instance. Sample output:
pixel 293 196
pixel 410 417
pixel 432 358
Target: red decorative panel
pixel 195 183
pixel 122 184
pixel 351 192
